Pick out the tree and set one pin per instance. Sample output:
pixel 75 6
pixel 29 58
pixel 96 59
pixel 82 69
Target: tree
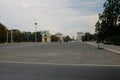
pixel 107 26
pixel 67 38
pixel 88 37
pixel 26 36
pixel 39 37
pixel 30 37
pixel 17 35
pixel 54 38
pixel 3 33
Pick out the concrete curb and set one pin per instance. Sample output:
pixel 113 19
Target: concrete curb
pixel 112 50
pixel 108 49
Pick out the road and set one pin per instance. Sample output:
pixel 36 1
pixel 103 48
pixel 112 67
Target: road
pixel 31 71
pixel 57 61
pixel 68 53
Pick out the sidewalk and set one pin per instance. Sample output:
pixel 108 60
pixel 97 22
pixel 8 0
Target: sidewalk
pixel 112 48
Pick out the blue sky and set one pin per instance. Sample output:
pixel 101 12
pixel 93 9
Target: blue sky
pixel 65 16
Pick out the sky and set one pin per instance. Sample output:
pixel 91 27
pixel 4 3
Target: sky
pixel 65 16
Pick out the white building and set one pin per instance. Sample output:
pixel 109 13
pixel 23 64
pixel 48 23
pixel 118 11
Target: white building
pixel 60 37
pixel 46 36
pixel 79 36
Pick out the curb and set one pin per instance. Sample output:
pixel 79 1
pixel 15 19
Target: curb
pixel 112 50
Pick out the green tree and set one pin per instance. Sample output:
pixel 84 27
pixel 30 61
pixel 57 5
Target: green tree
pixel 88 37
pixel 30 37
pixel 17 35
pixel 3 33
pixel 54 38
pixel 39 37
pixel 26 36
pixel 67 38
pixel 107 23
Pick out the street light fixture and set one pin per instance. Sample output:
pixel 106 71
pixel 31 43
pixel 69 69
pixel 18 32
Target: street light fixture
pixel 35 32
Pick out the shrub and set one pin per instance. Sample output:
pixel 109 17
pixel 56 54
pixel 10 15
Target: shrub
pixel 113 40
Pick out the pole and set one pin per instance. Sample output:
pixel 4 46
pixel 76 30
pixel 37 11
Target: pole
pixel 11 36
pixel 7 36
pixel 88 37
pixel 35 32
pixel 27 36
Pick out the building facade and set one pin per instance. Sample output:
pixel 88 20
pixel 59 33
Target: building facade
pixel 46 36
pixel 79 36
pixel 60 37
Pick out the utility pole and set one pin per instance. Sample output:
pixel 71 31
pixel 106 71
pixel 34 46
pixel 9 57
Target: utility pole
pixel 11 36
pixel 88 37
pixel 27 36
pixel 7 36
pixel 35 32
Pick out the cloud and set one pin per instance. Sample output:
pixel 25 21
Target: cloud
pixel 26 6
pixel 66 16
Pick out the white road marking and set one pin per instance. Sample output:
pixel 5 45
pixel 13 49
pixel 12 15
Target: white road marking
pixel 62 64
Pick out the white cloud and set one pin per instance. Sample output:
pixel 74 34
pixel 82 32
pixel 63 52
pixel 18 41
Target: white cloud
pixel 26 6
pixel 53 15
pixel 94 3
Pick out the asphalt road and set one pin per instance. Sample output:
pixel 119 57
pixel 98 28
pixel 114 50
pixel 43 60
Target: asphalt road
pixel 68 53
pixel 29 71
pixel 57 61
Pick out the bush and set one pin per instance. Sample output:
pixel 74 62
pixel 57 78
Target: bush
pixel 113 40
pixel 116 40
pixel 108 40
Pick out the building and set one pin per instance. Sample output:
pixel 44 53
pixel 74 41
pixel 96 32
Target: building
pixel 60 37
pixel 46 36
pixel 79 36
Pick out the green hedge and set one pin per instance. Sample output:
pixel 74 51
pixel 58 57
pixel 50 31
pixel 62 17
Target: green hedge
pixel 113 40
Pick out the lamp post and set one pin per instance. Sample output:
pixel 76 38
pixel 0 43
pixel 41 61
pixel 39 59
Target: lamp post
pixel 7 36
pixel 11 36
pixel 27 36
pixel 35 32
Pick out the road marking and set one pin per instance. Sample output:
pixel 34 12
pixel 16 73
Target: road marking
pixel 62 64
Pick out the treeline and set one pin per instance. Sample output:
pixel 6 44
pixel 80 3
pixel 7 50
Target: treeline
pixel 108 25
pixel 89 37
pixel 54 38
pixel 15 35
pixel 3 33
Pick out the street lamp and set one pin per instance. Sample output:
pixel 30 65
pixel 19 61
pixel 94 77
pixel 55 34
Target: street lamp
pixel 11 36
pixel 35 32
pixel 7 36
